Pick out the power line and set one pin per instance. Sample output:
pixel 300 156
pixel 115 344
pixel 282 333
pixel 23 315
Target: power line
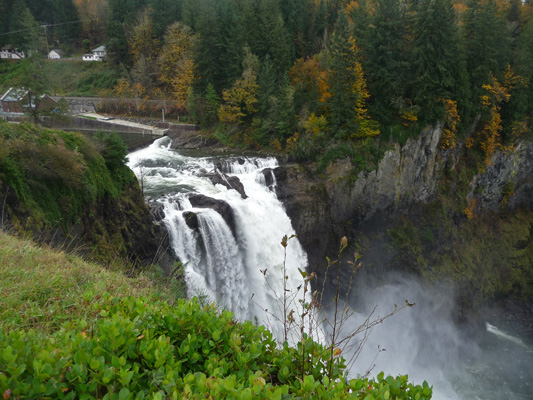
pixel 46 25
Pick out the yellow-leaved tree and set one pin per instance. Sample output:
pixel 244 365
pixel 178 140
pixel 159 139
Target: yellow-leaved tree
pixel 240 101
pixel 496 94
pixel 177 70
pixel 451 120
pixel 142 41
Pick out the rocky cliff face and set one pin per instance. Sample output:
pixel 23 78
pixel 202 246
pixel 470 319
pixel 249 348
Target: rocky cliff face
pixel 111 229
pixel 507 182
pixel 323 209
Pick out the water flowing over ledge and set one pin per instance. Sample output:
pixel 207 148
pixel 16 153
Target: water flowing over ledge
pixel 225 253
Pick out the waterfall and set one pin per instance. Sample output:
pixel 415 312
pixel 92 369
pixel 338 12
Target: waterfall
pixel 229 243
pixel 234 258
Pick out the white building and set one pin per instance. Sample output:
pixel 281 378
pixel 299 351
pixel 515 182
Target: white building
pixel 97 54
pixel 100 52
pixel 7 52
pixel 55 54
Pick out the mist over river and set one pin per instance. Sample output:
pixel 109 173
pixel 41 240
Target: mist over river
pixel 235 258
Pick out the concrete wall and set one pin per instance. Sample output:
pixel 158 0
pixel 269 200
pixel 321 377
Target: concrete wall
pixel 86 124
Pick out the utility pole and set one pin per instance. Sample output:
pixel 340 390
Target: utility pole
pixel 46 38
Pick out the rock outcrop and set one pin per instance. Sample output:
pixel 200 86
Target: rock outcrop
pixel 507 182
pixel 324 209
pixel 220 206
pixel 231 182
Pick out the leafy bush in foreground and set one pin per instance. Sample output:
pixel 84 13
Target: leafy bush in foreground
pixel 137 348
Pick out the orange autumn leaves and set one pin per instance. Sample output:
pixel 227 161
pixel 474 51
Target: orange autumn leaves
pixel 497 93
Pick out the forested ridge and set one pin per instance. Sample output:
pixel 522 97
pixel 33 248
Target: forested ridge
pixel 312 77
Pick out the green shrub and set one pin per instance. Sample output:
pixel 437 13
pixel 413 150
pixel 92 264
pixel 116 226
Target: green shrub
pixel 141 348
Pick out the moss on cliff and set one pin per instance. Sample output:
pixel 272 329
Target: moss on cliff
pixel 486 257
pixel 60 186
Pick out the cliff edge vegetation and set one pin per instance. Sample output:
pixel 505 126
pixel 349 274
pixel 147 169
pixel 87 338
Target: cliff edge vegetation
pixel 63 188
pixel 74 330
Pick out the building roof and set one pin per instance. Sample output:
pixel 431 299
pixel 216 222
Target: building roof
pixel 14 94
pixel 58 51
pixel 101 48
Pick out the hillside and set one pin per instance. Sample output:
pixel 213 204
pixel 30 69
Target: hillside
pixel 65 77
pixel 70 329
pixel 63 188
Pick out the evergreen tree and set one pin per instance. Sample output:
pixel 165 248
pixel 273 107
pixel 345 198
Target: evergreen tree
pixel 33 78
pixel 66 14
pixel 219 51
pixel 296 16
pixel 165 12
pixel 487 41
pixel 212 101
pixel 5 17
pixel 268 85
pixel 438 65
pixel 385 58
pixel 347 87
pixel 26 33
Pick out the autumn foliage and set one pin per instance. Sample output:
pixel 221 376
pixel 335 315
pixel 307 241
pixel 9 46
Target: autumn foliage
pixel 451 121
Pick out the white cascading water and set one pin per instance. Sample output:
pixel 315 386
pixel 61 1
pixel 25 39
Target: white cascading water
pixel 227 267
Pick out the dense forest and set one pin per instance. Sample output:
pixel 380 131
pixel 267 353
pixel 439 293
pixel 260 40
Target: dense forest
pixel 326 78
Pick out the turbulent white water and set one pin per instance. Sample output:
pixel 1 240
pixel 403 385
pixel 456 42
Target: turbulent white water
pixel 226 267
pixel 229 267
pixel 424 342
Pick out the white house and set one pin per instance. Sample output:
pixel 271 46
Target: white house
pixel 97 55
pixel 100 52
pixel 12 54
pixel 55 54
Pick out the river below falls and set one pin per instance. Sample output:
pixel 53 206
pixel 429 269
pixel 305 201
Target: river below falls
pixel 238 263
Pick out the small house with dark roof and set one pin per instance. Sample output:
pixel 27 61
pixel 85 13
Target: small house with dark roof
pixel 16 102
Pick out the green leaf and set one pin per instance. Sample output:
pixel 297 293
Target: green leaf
pixel 95 364
pixel 309 382
pixel 124 394
pixel 246 394
pixel 303 273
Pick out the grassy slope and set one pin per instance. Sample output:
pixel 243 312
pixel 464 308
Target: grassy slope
pixel 42 288
pixel 66 77
pixel 70 329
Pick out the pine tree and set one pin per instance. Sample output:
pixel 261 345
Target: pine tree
pixel 27 34
pixel 438 64
pixel 347 87
pixel 297 19
pixel 212 101
pixel 66 13
pixel 487 41
pixel 5 17
pixel 385 58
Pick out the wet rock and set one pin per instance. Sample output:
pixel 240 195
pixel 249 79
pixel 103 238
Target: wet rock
pixel 220 206
pixel 231 182
pixel 156 209
pixel 269 177
pixel 191 140
pixel 191 219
